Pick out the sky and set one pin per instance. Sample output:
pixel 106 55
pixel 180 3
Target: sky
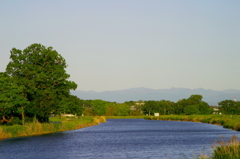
pixel 121 44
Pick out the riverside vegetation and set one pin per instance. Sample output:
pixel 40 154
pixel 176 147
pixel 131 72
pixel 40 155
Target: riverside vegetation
pixel 57 125
pixel 227 121
pixel 223 149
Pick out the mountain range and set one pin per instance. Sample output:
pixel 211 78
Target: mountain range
pixel 212 97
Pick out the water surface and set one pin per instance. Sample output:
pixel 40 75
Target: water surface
pixel 120 139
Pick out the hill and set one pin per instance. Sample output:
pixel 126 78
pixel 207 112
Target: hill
pixel 212 97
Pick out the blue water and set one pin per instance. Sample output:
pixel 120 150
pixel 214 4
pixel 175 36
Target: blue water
pixel 120 139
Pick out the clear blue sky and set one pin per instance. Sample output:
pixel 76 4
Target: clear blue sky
pixel 120 44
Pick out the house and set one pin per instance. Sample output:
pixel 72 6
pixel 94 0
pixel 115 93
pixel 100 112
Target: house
pixel 68 115
pixel 216 111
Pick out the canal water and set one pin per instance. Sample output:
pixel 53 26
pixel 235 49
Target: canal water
pixel 120 139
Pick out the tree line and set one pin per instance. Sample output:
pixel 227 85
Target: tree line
pixel 35 85
pixel 192 105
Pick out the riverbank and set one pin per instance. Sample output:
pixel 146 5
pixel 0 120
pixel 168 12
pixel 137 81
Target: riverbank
pixel 125 117
pixel 227 121
pixel 57 125
pixel 223 149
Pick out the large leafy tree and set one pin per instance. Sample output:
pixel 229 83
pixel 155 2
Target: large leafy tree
pixel 204 108
pixel 99 106
pixel 11 98
pixel 71 105
pixel 191 109
pixel 40 72
pixel 122 109
pixel 150 107
pixel 195 99
pixel 229 107
pixel 192 105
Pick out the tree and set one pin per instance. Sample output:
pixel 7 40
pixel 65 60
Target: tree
pixel 150 107
pixel 110 109
pixel 75 105
pixel 204 108
pixel 191 109
pixel 40 71
pixel 11 98
pixel 195 99
pixel 99 106
pixel 229 107
pixel 195 103
pixel 122 109
pixel 180 105
pixel 71 105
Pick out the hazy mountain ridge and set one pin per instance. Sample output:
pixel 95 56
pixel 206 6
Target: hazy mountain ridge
pixel 212 97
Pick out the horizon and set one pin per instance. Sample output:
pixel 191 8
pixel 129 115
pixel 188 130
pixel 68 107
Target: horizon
pixel 152 89
pixel 212 97
pixel 114 45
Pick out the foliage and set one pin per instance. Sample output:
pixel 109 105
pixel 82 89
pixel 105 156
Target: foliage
pixel 227 121
pixel 70 105
pixel 11 98
pixel 125 117
pixel 99 106
pixel 38 74
pixel 122 110
pixel 227 149
pixel 229 107
pixel 150 107
pixel 191 109
pixel 88 111
pixel 30 129
pixel 204 108
pixel 193 105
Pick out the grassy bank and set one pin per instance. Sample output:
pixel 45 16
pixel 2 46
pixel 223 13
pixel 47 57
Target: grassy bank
pixel 64 124
pixel 223 149
pixel 227 121
pixel 125 117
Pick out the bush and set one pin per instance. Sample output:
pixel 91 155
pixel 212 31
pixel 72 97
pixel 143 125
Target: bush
pixel 13 121
pixel 227 150
pixel 206 120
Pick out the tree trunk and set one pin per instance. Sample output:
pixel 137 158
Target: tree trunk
pixel 23 116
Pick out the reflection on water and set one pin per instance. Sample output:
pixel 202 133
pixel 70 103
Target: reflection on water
pixel 120 139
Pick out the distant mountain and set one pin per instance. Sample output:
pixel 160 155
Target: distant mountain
pixel 212 97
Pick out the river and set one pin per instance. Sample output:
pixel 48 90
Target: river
pixel 120 139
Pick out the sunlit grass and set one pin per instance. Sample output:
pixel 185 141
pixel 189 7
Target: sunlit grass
pixel 227 121
pixel 30 129
pixel 125 117
pixel 223 149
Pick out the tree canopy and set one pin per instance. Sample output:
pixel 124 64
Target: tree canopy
pixel 229 107
pixel 99 106
pixel 40 73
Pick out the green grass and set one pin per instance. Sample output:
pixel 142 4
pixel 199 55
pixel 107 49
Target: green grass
pixel 227 149
pixel 223 149
pixel 227 121
pixel 30 129
pixel 125 117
